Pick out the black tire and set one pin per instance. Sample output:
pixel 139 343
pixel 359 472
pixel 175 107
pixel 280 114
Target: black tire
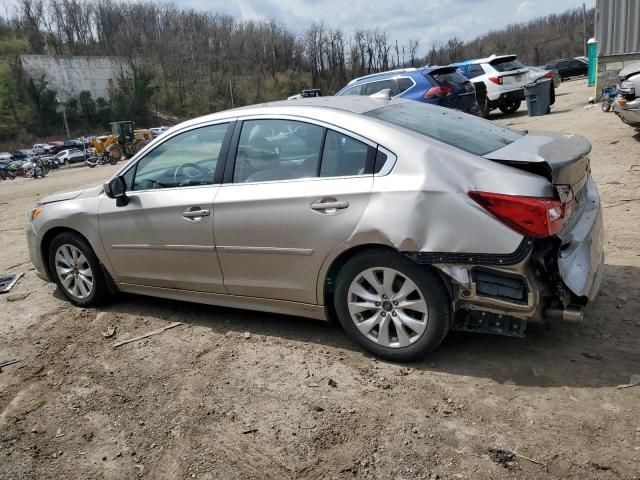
pixel 100 291
pixel 115 152
pixel 606 106
pixel 484 109
pixel 428 283
pixel 510 107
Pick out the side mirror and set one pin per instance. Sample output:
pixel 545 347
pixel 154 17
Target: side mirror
pixel 116 188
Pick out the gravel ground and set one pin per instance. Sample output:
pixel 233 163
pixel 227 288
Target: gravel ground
pixel 233 394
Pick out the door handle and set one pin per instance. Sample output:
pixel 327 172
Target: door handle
pixel 192 214
pixel 335 205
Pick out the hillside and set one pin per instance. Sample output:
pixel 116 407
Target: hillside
pixel 188 63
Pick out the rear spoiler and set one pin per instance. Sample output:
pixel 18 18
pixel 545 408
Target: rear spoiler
pixel 447 69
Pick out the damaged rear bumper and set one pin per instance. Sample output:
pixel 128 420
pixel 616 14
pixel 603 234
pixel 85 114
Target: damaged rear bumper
pixel 494 293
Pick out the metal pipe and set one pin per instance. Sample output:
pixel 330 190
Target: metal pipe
pixel 569 314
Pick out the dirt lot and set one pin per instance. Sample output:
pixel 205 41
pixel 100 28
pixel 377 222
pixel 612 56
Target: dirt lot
pixel 204 401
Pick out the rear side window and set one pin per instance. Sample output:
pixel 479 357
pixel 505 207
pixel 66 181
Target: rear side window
pixel 343 156
pixel 454 128
pixel 506 64
pixel 475 70
pixel 273 150
pixel 404 84
pixel 449 78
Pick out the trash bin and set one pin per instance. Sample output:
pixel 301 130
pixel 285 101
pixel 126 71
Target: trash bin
pixel 538 95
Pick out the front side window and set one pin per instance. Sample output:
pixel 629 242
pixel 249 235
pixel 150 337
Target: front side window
pixel 454 128
pixel 375 87
pixel 188 159
pixel 343 156
pixel 355 90
pixel 272 150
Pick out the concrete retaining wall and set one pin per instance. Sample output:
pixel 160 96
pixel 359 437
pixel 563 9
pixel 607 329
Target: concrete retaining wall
pixel 71 75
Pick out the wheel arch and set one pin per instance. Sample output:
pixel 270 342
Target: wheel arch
pixel 52 233
pixel 329 281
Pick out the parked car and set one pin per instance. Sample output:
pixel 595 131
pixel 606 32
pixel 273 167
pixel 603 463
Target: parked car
pixel 56 147
pixel 24 154
pixel 70 155
pixel 312 92
pixel 568 67
pixel 536 73
pixel 42 148
pixel 583 59
pixel 443 86
pixel 504 76
pixel 402 220
pixel 627 104
pixel 155 131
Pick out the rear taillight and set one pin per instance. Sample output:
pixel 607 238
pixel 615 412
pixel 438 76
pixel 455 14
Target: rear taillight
pixel 434 92
pixel 537 217
pixel 496 80
pixel 548 74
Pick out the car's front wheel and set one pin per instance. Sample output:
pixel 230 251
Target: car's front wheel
pixel 76 270
pixel 391 306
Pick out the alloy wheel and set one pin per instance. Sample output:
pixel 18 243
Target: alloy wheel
pixel 74 271
pixel 387 307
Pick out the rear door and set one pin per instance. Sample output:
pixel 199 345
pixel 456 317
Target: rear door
pixel 293 191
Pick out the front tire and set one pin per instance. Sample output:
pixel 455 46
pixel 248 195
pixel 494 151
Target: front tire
pixel 510 107
pixel 391 306
pixel 76 270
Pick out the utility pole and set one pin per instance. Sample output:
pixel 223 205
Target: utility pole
pixel 584 28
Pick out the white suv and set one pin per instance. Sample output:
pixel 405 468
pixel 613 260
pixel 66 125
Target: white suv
pixel 504 76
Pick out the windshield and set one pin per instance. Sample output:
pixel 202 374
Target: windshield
pixel 454 128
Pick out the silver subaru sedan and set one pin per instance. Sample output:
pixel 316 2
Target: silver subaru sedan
pixel 401 220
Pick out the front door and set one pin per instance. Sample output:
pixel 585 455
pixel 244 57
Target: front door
pixel 297 191
pixel 164 237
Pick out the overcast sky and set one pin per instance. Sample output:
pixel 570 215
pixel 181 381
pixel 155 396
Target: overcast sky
pixel 426 20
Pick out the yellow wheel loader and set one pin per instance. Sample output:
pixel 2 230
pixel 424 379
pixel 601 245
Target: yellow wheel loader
pixel 124 140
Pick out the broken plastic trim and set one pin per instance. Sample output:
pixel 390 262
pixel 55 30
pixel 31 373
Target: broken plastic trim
pixel 474 258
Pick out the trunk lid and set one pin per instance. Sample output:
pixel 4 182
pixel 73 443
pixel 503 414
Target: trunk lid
pixel 561 158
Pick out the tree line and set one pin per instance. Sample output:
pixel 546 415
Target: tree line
pixel 189 63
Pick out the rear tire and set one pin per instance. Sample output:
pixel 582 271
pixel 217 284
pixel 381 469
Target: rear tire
pixel 606 106
pixel 510 107
pixel 76 270
pixel 404 317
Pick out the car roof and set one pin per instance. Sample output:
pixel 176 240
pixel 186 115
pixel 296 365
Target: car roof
pixel 483 60
pixel 353 104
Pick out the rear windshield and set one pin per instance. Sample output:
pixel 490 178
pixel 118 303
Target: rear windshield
pixel 506 64
pixel 454 128
pixel 449 78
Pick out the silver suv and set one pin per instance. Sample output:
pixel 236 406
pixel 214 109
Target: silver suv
pixel 400 219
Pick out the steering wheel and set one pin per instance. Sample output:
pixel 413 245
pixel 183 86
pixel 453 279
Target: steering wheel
pixel 187 172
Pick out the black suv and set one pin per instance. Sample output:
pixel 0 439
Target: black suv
pixel 569 67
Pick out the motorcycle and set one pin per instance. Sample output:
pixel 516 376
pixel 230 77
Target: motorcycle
pixel 34 168
pixel 608 96
pixel 101 160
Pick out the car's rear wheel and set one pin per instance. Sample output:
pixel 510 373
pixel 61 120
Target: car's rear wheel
pixel 510 107
pixel 76 270
pixel 391 306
